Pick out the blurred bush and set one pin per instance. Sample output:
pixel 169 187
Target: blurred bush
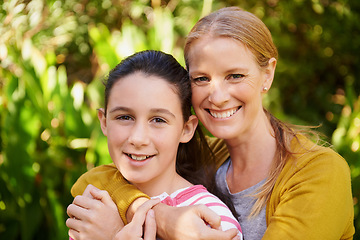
pixel 54 55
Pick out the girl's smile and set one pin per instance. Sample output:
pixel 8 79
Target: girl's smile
pixel 144 126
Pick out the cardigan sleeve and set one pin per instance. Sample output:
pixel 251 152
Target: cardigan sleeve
pixel 107 177
pixel 312 199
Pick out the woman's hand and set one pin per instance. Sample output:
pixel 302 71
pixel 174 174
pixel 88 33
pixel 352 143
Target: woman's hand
pixel 93 215
pixel 144 217
pixel 190 223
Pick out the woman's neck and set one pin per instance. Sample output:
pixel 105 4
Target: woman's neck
pixel 251 155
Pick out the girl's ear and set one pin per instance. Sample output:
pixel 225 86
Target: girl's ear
pixel 189 129
pixel 269 75
pixel 102 119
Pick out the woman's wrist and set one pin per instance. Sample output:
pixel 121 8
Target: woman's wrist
pixel 133 207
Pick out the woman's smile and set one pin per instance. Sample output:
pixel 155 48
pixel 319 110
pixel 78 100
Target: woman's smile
pixel 222 114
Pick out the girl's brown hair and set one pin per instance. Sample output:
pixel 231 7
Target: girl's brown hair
pixel 194 160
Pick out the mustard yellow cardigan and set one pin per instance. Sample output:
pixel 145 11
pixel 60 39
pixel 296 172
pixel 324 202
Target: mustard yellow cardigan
pixel 311 199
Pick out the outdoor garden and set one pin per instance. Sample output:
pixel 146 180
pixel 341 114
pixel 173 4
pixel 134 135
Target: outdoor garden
pixel 54 55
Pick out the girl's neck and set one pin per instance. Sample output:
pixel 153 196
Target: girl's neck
pixel 158 186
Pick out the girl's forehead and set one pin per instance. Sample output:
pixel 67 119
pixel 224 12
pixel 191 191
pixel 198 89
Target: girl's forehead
pixel 144 88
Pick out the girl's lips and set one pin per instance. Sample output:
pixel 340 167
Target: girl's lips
pixel 223 114
pixel 138 157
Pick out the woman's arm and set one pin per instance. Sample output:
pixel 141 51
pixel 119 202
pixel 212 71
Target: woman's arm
pixel 190 223
pixel 312 199
pixel 93 215
pixel 107 177
pixel 142 224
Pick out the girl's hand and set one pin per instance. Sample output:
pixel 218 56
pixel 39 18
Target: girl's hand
pixel 190 223
pixel 93 215
pixel 144 217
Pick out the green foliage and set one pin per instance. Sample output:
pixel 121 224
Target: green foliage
pixel 54 55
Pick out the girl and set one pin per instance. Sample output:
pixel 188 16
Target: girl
pixel 283 185
pixel 150 130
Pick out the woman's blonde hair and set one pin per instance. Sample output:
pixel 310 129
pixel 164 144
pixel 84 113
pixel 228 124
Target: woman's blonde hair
pixel 235 23
pixel 245 27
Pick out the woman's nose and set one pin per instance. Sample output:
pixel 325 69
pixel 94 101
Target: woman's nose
pixel 219 94
pixel 139 135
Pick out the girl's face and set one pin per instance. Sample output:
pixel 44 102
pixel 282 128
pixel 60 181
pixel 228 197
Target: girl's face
pixel 144 126
pixel 227 86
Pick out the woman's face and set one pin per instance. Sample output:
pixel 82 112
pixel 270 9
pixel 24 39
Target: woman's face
pixel 227 86
pixel 144 126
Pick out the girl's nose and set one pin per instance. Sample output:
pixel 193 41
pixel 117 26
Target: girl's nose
pixel 139 135
pixel 219 94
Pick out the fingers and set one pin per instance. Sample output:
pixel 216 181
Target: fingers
pixel 139 217
pixel 80 205
pixel 101 195
pixel 209 217
pixel 233 234
pixel 74 211
pixel 150 226
pixel 87 193
pixel 213 234
pixel 73 234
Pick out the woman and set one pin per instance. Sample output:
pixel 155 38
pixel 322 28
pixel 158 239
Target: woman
pixel 283 185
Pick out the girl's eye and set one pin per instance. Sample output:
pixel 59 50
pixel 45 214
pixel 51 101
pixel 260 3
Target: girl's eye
pixel 124 117
pixel 158 120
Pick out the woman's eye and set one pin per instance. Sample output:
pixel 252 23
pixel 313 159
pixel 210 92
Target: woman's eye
pixel 236 76
pixel 200 79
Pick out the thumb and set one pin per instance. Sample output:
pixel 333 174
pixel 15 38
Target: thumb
pixel 209 217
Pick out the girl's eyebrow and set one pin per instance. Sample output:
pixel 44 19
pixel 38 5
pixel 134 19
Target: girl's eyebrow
pixel 153 110
pixel 119 108
pixel 164 111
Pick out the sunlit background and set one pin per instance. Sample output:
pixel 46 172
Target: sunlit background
pixel 55 54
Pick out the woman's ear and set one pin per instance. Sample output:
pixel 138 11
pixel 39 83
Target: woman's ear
pixel 269 74
pixel 102 119
pixel 189 129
